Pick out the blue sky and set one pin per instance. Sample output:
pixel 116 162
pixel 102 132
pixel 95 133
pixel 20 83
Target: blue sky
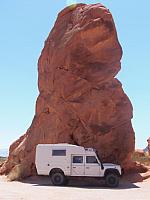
pixel 24 26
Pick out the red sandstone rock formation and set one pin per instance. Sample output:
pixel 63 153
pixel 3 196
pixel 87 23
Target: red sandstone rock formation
pixel 80 101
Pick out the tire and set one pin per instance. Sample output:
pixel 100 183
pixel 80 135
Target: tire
pixel 112 180
pixel 58 179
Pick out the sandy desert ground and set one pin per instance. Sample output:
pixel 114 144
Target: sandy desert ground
pixel 40 188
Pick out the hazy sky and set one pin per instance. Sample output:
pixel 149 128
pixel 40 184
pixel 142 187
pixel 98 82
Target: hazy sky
pixel 24 26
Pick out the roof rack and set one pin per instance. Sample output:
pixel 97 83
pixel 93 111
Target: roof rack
pixel 89 149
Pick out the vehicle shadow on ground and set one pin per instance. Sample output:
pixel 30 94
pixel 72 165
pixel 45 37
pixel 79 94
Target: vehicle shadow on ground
pixel 85 183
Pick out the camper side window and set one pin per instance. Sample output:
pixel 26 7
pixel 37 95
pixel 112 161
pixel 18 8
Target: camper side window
pixel 58 152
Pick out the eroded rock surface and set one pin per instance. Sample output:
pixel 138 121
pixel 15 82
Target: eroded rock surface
pixel 80 101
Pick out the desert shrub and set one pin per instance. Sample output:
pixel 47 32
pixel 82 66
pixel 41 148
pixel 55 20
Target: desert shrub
pixel 141 158
pixel 2 160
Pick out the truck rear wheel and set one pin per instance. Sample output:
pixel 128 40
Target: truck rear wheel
pixel 58 179
pixel 112 180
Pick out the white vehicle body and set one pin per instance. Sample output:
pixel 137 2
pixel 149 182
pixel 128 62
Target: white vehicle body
pixel 72 160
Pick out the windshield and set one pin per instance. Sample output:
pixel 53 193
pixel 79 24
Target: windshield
pixel 102 167
pixel 97 156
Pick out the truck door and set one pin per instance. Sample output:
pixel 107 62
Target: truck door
pixel 92 167
pixel 77 165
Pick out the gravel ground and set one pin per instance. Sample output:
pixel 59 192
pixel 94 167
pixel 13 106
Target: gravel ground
pixel 40 188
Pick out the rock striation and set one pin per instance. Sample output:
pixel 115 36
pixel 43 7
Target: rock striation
pixel 80 101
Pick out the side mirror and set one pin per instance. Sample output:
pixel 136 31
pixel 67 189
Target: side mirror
pixel 102 166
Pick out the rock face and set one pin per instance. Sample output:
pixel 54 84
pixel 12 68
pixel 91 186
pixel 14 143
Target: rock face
pixel 80 101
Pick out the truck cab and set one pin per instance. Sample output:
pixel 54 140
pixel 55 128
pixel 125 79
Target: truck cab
pixel 60 161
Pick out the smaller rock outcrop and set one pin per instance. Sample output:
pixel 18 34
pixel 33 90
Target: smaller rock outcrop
pixel 148 140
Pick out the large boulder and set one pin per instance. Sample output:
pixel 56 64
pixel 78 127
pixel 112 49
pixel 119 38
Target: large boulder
pixel 80 101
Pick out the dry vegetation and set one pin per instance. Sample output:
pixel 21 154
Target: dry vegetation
pixel 2 160
pixel 142 158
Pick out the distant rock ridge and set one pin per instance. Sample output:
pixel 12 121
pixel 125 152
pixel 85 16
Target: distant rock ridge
pixel 80 101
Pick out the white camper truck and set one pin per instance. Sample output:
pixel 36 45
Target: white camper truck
pixel 60 161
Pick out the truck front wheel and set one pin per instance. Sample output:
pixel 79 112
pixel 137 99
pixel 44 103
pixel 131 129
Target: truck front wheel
pixel 58 179
pixel 112 180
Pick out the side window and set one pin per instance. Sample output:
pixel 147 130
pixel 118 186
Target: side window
pixel 77 159
pixel 91 159
pixel 58 152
